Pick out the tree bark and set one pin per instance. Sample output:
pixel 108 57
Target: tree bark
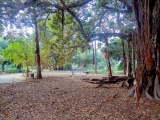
pixel 148 28
pixel 107 59
pixel 133 56
pixel 93 54
pixel 124 58
pixel 129 69
pixel 27 71
pixel 39 75
pixel 95 58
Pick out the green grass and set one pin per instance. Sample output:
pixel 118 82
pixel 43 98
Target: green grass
pixel 99 71
pixel 11 70
pixel 118 72
pixel 104 72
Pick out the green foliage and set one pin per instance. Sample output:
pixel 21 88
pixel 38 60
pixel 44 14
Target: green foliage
pixel 19 53
pixel 103 49
pixel 62 42
pixel 1 59
pixel 119 67
pixel 115 48
pixel 68 65
pixel 3 43
pixel 12 70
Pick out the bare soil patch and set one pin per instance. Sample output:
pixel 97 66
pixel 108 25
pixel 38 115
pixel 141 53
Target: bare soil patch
pixel 66 97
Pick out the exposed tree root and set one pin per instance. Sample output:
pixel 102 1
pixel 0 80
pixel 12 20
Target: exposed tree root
pixel 147 88
pixel 127 81
pixel 157 89
pixel 132 92
pixel 145 92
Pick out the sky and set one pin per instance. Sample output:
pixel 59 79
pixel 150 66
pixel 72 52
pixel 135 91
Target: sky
pixel 13 30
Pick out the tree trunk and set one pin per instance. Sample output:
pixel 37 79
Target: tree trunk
pixel 147 14
pixel 93 54
pixel 3 67
pixel 27 71
pixel 107 58
pixel 95 57
pixel 124 58
pixel 133 56
pixel 129 69
pixel 39 75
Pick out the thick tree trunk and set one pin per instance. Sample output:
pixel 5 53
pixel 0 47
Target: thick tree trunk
pixel 147 14
pixel 129 69
pixel 107 58
pixel 124 58
pixel 39 75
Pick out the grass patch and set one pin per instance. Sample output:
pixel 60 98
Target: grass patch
pixel 118 72
pixel 11 70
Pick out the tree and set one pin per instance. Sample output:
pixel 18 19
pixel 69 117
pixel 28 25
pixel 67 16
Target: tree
pixel 1 60
pixel 147 15
pixel 20 53
pixel 115 19
pixel 61 42
pixel 106 53
pixel 124 58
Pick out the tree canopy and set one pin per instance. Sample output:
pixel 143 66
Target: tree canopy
pixel 19 53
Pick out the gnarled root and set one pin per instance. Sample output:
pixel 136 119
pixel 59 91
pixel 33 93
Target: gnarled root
pixel 128 82
pixel 157 89
pixel 148 87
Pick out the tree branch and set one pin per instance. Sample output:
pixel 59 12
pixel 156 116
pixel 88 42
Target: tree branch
pixel 78 4
pixel 108 35
pixel 126 4
pixel 79 22
pixel 118 10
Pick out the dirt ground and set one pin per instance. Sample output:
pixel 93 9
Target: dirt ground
pixel 67 97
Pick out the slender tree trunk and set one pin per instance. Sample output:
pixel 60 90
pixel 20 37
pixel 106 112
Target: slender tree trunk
pixel 129 69
pixel 95 57
pixel 124 58
pixel 27 71
pixel 133 56
pixel 107 59
pixel 3 66
pixel 93 53
pixel 39 75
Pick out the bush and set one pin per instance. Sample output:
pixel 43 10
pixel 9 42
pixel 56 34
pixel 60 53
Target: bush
pixel 1 71
pixel 119 67
pixel 12 70
pixel 68 66
pixel 103 71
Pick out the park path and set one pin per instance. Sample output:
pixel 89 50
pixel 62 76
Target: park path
pixel 20 77
pixel 10 78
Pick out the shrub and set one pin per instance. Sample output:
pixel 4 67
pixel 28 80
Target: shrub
pixel 12 70
pixel 119 67
pixel 68 66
